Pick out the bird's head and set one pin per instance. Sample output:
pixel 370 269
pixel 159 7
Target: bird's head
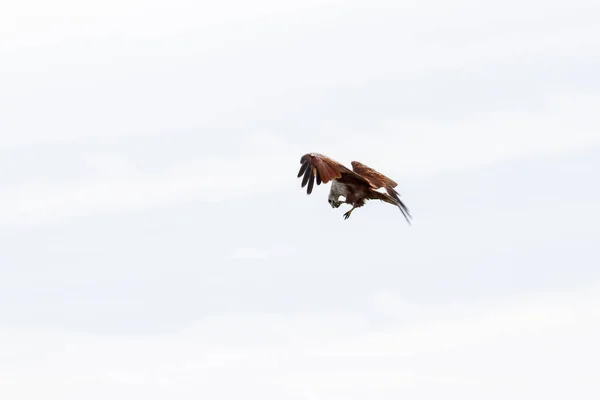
pixel 334 203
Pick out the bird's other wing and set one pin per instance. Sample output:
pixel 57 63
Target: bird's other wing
pixel 315 166
pixel 378 180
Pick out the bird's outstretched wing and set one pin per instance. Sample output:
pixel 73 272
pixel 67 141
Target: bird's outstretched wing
pixel 378 180
pixel 323 169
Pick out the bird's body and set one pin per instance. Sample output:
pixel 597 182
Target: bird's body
pixel 352 194
pixel 339 189
pixel 356 185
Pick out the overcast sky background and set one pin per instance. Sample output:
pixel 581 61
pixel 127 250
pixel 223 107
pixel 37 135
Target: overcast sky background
pixel 155 242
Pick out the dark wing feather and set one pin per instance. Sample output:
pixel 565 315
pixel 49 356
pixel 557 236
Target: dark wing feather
pixel 324 170
pixel 378 180
pixel 302 169
pixel 311 180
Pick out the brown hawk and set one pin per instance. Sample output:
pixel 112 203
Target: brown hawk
pixel 358 185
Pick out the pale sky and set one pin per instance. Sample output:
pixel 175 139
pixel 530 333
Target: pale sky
pixel 155 241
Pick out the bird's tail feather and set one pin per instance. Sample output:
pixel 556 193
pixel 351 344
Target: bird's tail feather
pixel 393 198
pixel 404 210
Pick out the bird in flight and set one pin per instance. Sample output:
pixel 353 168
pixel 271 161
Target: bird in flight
pixel 356 185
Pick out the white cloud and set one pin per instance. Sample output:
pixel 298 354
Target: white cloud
pixel 545 345
pixel 108 164
pixel 96 73
pixel 207 180
pixel 421 147
pixel 146 17
pixel 259 253
pixel 74 70
pixel 402 149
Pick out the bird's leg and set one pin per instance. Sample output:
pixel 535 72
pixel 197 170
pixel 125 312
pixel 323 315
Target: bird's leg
pixel 347 214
